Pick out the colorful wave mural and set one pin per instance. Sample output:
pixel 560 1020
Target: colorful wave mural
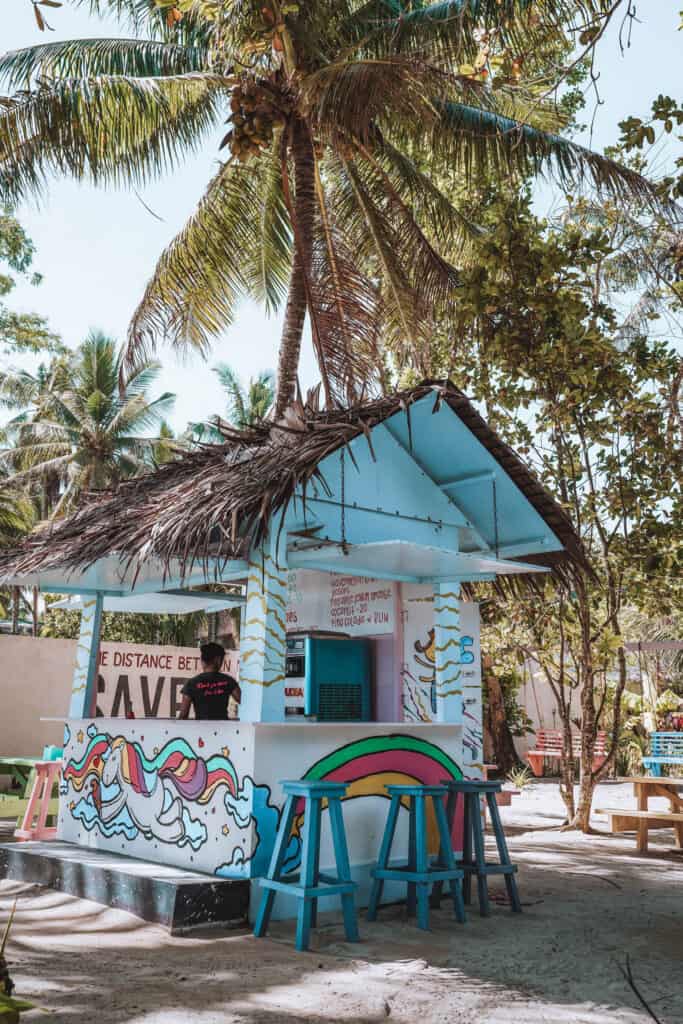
pixel 127 792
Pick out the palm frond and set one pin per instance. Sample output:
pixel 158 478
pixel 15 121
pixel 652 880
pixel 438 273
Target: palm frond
pixel 237 405
pixel 477 141
pixel 431 206
pixel 89 58
pixel 142 16
pixel 345 306
pixel 451 28
pixel 357 209
pixel 200 277
pixel 110 130
pixel 348 99
pixel 268 264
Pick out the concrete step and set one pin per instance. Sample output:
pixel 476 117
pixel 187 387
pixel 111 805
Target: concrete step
pixel 179 900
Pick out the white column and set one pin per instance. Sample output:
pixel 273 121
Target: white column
pixel 447 652
pixel 85 673
pixel 262 639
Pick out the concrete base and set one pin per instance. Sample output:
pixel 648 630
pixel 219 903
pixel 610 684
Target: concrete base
pixel 179 900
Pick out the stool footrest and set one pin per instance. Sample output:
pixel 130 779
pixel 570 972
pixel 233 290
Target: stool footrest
pixel 406 875
pixel 310 891
pixel 489 869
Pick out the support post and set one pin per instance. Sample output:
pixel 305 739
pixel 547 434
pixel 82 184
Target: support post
pixel 83 688
pixel 447 652
pixel 262 640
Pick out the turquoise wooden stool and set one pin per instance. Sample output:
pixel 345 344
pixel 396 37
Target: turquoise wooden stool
pixel 310 884
pixel 474 856
pixel 419 874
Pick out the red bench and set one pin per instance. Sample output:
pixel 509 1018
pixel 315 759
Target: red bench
pixel 549 745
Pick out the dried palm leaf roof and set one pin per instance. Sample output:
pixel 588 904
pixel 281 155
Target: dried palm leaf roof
pixel 215 502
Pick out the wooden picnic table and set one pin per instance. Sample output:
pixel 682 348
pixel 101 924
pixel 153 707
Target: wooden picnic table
pixel 646 787
pixel 20 769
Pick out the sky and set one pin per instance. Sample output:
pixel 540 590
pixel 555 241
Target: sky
pixel 96 249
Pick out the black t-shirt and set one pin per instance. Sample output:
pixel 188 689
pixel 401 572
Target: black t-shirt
pixel 209 693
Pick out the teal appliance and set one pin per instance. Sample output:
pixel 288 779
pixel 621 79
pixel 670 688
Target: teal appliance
pixel 336 673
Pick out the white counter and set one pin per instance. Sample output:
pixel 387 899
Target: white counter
pixel 206 795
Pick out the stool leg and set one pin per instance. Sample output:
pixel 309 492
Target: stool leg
pixel 480 854
pixel 448 858
pixel 422 862
pixel 275 867
pixel 31 806
pixel 383 859
pixel 310 844
pixel 45 794
pixel 412 859
pixel 467 848
pixel 503 853
pixel 316 871
pixel 437 889
pixel 341 856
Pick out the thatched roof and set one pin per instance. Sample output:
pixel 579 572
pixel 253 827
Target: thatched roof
pixel 216 501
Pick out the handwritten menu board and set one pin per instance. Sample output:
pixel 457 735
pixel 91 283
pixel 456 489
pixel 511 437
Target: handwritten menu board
pixel 356 605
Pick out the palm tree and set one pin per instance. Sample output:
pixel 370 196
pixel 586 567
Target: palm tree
pixel 344 116
pixel 245 406
pixel 16 513
pixel 86 429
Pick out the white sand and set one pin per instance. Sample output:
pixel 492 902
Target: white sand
pixel 588 903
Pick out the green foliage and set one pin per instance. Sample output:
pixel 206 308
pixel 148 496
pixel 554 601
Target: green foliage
pixel 245 406
pixel 589 398
pixel 330 105
pixel 81 428
pixel 667 115
pixel 516 717
pixel 520 777
pixel 19 332
pixel 666 702
pixel 126 627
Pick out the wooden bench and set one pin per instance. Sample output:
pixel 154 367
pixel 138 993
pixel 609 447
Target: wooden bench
pixel 621 819
pixel 665 748
pixel 549 746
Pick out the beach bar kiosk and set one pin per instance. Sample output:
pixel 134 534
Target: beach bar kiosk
pixel 356 535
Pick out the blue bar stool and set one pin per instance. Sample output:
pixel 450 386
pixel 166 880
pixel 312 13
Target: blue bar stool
pixel 310 884
pixel 419 874
pixel 475 863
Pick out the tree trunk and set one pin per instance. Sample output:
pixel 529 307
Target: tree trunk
pixel 589 725
pixel 503 750
pixel 567 763
pixel 303 213
pixel 16 594
pixel 34 611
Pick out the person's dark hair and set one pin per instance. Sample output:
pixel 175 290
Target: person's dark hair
pixel 212 653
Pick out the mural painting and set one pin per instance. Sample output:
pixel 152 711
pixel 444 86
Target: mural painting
pixel 140 793
pixel 371 764
pixel 172 803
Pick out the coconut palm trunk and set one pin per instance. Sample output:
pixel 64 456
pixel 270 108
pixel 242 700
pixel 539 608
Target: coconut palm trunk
pixel 302 214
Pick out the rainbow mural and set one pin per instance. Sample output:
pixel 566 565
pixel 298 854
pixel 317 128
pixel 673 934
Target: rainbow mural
pixel 371 764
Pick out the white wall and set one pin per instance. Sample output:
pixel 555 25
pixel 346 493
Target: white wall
pixel 35 683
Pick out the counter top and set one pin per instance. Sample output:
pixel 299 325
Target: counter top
pixel 270 725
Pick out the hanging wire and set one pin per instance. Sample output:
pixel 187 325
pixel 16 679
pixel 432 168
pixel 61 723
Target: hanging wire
pixel 495 517
pixel 344 545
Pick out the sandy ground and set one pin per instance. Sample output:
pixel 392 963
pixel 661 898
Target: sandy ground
pixel 589 903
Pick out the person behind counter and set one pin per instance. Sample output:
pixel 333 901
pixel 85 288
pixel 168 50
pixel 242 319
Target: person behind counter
pixel 209 693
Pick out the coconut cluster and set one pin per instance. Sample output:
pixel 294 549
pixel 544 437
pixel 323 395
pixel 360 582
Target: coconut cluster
pixel 255 111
